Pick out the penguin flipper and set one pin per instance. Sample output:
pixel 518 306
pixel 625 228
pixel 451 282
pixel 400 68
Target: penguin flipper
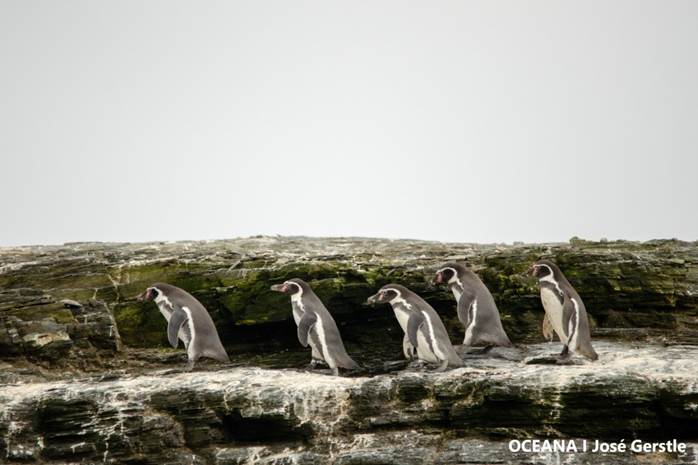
pixel 413 324
pixel 408 349
pixel 547 328
pixel 465 304
pixel 304 326
pixel 177 319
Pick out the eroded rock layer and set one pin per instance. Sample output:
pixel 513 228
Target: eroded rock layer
pixel 629 288
pixel 233 415
pixel 85 375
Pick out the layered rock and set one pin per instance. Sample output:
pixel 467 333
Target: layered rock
pixel 42 328
pixel 253 415
pixel 85 378
pixel 645 289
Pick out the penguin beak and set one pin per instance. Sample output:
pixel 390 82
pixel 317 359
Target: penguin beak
pixel 372 300
pixel 278 287
pixel 531 271
pixel 144 296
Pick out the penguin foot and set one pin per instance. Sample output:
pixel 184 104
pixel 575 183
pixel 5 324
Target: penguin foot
pixel 565 352
pixel 565 356
pixel 189 366
pixel 315 363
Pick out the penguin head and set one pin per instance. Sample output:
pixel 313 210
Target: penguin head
pixel 291 287
pixel 149 294
pixel 386 294
pixel 449 273
pixel 543 269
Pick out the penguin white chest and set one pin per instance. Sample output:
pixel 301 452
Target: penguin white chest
pixel 553 307
pixel 164 310
pixel 297 314
pixel 456 292
pixel 298 308
pixel 402 316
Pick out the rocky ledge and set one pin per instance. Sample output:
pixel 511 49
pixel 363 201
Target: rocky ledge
pixel 255 415
pixel 85 377
pixel 631 290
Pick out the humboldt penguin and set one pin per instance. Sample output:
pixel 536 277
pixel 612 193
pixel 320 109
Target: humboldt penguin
pixel 316 327
pixel 188 320
pixel 565 310
pixel 476 308
pixel 421 324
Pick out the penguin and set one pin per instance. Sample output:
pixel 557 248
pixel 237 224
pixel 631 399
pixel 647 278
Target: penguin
pixel 565 310
pixel 476 308
pixel 188 320
pixel 422 325
pixel 402 314
pixel 316 327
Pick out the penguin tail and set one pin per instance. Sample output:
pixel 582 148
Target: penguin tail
pixel 455 361
pixel 350 364
pixel 588 351
pixel 220 356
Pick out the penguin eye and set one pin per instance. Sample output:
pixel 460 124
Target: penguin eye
pixel 153 293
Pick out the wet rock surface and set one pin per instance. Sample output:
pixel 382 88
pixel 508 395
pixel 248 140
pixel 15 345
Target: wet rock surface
pixel 86 375
pixel 256 415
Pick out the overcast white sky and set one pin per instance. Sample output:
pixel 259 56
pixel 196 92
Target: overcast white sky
pixel 452 120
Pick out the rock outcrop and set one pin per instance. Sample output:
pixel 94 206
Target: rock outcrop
pixel 253 415
pixel 633 289
pixel 86 376
pixel 44 329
